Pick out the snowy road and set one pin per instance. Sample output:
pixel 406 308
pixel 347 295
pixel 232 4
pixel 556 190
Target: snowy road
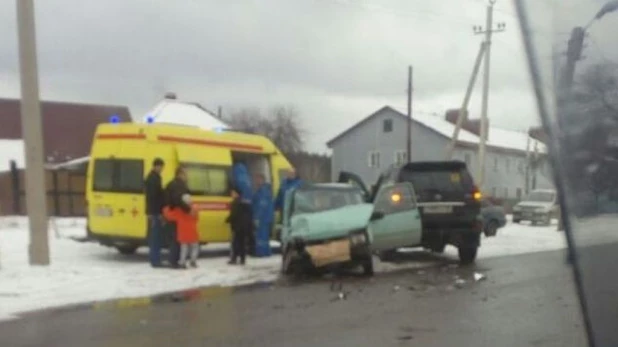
pixel 82 272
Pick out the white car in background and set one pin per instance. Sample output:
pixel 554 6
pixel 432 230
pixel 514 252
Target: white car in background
pixel 539 207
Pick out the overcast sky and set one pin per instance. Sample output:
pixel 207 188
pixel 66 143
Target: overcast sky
pixel 336 60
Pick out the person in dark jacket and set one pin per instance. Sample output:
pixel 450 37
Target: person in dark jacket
pixel 155 200
pixel 174 191
pixel 240 221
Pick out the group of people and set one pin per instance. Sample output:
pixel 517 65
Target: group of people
pixel 172 216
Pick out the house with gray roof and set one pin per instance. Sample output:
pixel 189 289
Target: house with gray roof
pixel 379 140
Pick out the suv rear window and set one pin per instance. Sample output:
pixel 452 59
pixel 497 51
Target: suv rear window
pixel 448 179
pixel 118 175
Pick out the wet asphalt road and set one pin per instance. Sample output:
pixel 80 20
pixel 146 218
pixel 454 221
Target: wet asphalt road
pixel 525 300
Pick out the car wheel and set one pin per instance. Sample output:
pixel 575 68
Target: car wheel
pixel 467 254
pixel 516 221
pixel 547 220
pixel 286 262
pixel 127 249
pixel 368 267
pixel 387 256
pixel 491 229
pixel 438 247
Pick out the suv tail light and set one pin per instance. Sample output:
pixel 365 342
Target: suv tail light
pixel 476 194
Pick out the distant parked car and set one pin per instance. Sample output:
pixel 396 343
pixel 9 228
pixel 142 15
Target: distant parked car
pixel 540 206
pixel 494 218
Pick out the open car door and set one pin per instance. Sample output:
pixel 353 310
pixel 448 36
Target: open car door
pixel 350 178
pixel 396 220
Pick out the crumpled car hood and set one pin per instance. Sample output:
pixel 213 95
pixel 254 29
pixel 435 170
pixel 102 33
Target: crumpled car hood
pixel 332 223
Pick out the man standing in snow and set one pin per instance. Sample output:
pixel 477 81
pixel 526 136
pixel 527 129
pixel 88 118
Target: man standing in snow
pixel 155 199
pixel 262 215
pixel 173 199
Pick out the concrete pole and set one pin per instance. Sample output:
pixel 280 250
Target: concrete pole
pixel 36 192
pixel 464 106
pixel 484 120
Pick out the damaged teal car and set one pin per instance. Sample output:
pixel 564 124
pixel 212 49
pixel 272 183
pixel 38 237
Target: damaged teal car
pixel 330 225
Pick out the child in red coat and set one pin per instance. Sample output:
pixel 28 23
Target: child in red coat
pixel 186 235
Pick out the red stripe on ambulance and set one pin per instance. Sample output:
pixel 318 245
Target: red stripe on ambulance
pixel 213 143
pixel 121 136
pixel 211 206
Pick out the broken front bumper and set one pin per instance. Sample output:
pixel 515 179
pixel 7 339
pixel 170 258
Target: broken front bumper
pixel 349 250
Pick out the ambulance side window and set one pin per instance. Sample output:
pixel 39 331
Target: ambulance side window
pixel 207 180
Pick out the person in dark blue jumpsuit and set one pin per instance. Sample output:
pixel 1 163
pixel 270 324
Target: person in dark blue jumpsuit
pixel 263 215
pixel 291 181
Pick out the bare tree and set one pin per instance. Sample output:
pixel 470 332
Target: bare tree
pixel 281 124
pixel 591 129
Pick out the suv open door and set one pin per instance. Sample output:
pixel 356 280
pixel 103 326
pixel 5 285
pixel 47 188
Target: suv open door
pixel 396 220
pixel 348 177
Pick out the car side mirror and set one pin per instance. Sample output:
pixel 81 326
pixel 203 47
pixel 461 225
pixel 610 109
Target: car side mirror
pixel 376 215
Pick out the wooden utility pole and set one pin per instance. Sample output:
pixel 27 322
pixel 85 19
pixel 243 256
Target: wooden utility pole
pixel 409 128
pixel 32 130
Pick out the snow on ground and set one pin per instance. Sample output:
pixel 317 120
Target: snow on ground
pixel 84 272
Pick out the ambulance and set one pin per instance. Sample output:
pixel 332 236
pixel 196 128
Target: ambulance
pixel 122 155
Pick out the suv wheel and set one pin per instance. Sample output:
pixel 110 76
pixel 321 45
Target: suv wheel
pixel 516 221
pixel 467 254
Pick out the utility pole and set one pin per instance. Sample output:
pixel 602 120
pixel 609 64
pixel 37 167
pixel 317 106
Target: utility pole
pixel 527 174
pixel 31 124
pixel 489 30
pixel 409 128
pixel 463 110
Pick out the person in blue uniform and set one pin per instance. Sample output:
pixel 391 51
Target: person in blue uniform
pixel 263 215
pixel 291 181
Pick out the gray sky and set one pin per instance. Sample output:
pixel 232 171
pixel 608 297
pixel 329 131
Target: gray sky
pixel 336 60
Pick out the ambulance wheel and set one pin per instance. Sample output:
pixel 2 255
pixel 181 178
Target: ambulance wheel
pixel 127 249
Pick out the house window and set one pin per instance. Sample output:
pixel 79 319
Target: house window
pixel 387 125
pixel 467 159
pixel 373 159
pixel 507 163
pixel 493 192
pixel 496 164
pixel 518 193
pixel 401 157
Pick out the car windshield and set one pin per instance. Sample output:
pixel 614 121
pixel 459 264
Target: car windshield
pixel 540 197
pixel 322 199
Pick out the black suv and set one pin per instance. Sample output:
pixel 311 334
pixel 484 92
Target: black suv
pixel 449 201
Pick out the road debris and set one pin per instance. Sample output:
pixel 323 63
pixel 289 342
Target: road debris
pixel 479 276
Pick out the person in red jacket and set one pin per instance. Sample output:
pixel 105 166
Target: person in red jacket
pixel 187 235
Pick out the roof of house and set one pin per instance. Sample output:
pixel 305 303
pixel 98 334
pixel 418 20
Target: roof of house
pixel 68 128
pixel 497 137
pixel 171 111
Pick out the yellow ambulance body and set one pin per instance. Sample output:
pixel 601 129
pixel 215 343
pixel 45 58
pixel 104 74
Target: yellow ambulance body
pixel 122 155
